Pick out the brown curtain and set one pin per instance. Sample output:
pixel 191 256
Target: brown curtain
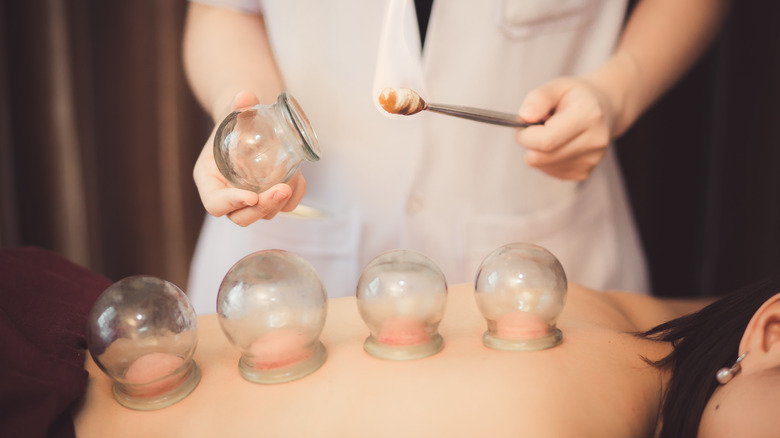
pixel 99 132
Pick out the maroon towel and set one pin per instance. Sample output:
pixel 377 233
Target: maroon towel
pixel 44 304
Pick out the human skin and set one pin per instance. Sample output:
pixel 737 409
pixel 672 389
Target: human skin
pixel 748 404
pixel 279 348
pixel 521 325
pixel 149 371
pixel 239 41
pixel 595 383
pixel 661 41
pixel 399 331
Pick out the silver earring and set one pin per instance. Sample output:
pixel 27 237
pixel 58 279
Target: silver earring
pixel 724 375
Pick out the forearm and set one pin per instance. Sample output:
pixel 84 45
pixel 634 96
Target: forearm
pixel 661 41
pixel 226 52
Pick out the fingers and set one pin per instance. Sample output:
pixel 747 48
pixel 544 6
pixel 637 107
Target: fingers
pixel 573 140
pixel 217 196
pixel 560 129
pixel 298 185
pixel 270 202
pixel 540 102
pixel 281 197
pixel 242 206
pixel 574 161
pixel 573 111
pixel 244 99
pixel 568 158
pixel 227 200
pixel 245 207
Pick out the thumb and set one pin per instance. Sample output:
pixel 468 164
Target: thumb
pixel 542 101
pixel 244 99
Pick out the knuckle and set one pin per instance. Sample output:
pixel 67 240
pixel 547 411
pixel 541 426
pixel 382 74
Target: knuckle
pixel 545 143
pixel 595 115
pixel 532 159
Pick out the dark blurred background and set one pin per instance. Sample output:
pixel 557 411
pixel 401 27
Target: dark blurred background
pixel 99 133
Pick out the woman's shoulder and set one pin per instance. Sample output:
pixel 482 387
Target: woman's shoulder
pixel 644 312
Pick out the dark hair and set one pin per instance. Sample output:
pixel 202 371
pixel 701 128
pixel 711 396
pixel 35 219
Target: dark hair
pixel 703 342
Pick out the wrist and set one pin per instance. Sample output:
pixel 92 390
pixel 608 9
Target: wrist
pixel 618 80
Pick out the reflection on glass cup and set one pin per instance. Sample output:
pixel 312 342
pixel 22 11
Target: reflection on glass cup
pixel 520 290
pixel 142 332
pixel 401 296
pixel 272 307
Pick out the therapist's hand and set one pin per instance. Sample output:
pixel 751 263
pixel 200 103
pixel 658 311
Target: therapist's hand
pixel 575 137
pixel 243 207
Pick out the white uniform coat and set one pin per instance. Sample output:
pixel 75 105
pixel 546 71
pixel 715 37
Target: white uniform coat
pixel 452 189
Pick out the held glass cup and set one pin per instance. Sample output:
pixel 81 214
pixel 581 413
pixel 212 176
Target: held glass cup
pixel 401 296
pixel 520 290
pixel 272 307
pixel 142 332
pixel 258 147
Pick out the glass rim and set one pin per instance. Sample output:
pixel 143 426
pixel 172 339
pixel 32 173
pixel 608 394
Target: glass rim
pixel 295 116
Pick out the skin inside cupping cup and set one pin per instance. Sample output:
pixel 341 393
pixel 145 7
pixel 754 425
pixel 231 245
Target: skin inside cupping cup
pixel 151 370
pixel 399 331
pixel 520 325
pixel 278 349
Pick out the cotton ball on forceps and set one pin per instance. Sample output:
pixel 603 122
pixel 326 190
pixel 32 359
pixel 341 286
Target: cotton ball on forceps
pixel 520 290
pixel 401 296
pixel 142 332
pixel 272 307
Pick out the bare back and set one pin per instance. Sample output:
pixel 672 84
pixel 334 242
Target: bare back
pixel 594 384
